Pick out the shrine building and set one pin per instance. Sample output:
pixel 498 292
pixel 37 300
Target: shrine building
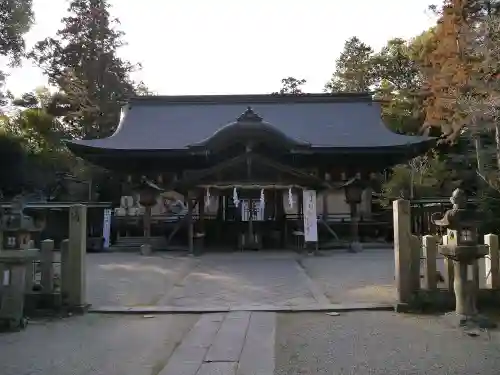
pixel 234 169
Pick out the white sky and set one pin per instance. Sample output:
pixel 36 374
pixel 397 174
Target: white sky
pixel 237 46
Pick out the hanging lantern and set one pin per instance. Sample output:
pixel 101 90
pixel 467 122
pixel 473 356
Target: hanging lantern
pixel 262 199
pixel 290 198
pixel 207 198
pixel 236 200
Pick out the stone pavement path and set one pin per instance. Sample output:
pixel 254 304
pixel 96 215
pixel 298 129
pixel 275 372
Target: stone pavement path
pixel 236 343
pixel 243 280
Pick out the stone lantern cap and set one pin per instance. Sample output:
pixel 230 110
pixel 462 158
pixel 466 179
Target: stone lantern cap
pixel 459 216
pixel 461 224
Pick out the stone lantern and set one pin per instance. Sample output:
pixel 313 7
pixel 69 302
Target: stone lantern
pixel 17 226
pixel 353 190
pixel 148 195
pixel 463 250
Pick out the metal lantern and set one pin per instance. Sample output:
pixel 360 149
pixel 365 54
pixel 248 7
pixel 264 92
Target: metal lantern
pixel 147 195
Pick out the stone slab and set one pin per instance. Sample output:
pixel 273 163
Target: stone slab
pixel 218 368
pixel 264 308
pixel 258 356
pixel 314 288
pixel 228 343
pixel 188 358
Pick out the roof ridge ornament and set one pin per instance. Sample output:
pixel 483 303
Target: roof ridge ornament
pixel 249 116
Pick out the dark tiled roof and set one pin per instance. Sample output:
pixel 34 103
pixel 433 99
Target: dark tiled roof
pixel 321 120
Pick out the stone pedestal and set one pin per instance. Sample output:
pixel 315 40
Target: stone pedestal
pixel 13 266
pixel 466 313
pixel 76 287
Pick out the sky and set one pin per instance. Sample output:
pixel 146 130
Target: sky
pixel 236 46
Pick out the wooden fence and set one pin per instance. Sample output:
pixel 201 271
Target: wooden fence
pixel 425 278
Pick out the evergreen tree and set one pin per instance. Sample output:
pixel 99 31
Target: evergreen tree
pixel 82 61
pixel 291 86
pixel 354 68
pixel 16 18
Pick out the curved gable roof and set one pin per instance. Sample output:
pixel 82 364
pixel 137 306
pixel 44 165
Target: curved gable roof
pixel 321 120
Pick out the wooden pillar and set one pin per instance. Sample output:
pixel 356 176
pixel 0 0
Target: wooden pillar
pixel 146 248
pixel 147 225
pixel 190 205
pixel 200 235
pixel 325 205
pixel 300 210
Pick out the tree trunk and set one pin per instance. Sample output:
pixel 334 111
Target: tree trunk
pixel 479 155
pixel 497 144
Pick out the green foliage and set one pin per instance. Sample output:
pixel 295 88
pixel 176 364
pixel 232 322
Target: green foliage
pixel 398 82
pixel 291 86
pixel 16 18
pixel 354 70
pixel 12 160
pixel 424 176
pixel 81 60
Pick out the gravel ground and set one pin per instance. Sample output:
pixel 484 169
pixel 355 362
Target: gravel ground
pixel 120 279
pixel 363 277
pixel 380 343
pixel 94 345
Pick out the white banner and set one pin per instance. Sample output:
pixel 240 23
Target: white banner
pixel 310 216
pixel 106 227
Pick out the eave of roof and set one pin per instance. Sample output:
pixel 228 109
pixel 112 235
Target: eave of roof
pixel 167 125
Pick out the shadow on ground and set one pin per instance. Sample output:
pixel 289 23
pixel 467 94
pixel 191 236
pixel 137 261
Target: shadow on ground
pixel 223 280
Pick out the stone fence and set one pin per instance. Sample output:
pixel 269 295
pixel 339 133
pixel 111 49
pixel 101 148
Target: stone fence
pixel 56 279
pixel 424 279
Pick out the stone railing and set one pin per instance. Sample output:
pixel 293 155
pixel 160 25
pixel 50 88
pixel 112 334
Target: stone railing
pixel 56 279
pixel 424 278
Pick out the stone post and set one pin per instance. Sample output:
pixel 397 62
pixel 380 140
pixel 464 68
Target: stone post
pixel 402 250
pixel 46 265
pixel 430 252
pixel 65 270
pixel 76 256
pixel 448 269
pixel 492 262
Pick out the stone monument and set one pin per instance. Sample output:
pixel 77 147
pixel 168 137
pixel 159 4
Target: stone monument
pixel 463 250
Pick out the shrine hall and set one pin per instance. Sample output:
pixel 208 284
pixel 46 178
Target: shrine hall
pixel 245 171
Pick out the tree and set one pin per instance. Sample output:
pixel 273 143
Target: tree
pixel 16 18
pixel 354 68
pixel 479 101
pixel 423 176
pixel 12 161
pixel 39 133
pixel 398 81
pixel 448 66
pixel 82 61
pixel 291 86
